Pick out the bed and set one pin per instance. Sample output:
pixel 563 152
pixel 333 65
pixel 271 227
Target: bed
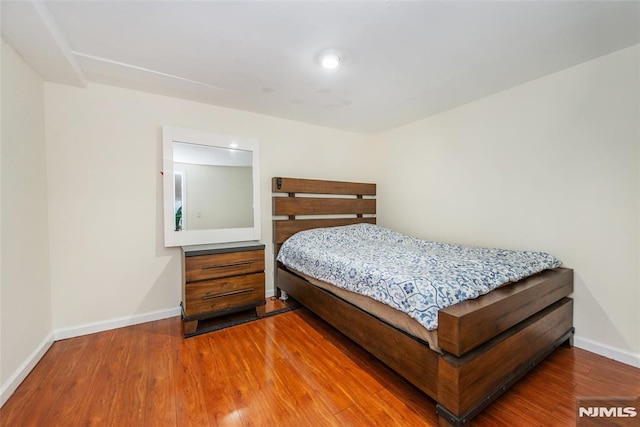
pixel 482 346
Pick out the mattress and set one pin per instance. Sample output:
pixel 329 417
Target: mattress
pixel 413 276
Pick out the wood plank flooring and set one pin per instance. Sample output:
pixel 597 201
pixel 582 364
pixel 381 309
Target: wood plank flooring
pixel 291 369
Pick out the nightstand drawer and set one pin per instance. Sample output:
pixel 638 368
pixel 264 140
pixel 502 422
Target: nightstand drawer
pixel 203 267
pixel 214 295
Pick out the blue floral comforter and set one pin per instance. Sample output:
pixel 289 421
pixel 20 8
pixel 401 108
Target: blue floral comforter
pixel 415 276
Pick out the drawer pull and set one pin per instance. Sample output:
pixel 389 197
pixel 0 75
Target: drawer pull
pixel 231 264
pixel 226 294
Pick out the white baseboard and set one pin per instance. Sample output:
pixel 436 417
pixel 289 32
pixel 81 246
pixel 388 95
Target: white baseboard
pixel 21 373
pixel 25 368
pixel 120 322
pixel 610 352
pixel 11 385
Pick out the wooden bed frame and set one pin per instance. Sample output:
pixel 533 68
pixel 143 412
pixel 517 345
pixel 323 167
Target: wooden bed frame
pixel 488 343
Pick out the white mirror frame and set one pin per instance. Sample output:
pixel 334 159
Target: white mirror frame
pixel 202 237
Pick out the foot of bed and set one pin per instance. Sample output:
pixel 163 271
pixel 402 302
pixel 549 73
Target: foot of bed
pixel 447 419
pixel 443 422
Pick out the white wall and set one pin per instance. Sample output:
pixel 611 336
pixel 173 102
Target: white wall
pixel 104 156
pixel 26 329
pixel 551 165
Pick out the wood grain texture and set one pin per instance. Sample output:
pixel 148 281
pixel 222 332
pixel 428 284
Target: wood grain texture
pixel 283 206
pixel 464 382
pixel 340 209
pixel 468 330
pixel 407 356
pixel 287 370
pixel 203 267
pixel 313 186
pixel 220 294
pixel 466 325
pixel 462 385
pixel 283 229
pixel 220 284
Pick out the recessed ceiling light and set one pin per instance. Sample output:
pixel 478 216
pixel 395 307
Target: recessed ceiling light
pixel 329 60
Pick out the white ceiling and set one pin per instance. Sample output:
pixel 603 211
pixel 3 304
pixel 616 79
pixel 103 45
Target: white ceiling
pixel 403 60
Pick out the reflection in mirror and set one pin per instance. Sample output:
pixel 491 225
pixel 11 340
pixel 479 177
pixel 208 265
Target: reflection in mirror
pixel 211 188
pixel 178 204
pixel 214 187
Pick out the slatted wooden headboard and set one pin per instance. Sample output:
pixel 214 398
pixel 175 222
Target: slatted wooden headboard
pixel 294 199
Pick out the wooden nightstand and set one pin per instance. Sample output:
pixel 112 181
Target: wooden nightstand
pixel 222 285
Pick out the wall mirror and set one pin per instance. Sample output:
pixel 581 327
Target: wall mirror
pixel 211 187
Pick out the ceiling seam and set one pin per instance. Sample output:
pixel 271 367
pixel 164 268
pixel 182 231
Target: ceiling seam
pixel 146 70
pixel 50 23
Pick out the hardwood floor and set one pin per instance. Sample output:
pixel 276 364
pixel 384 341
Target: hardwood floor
pixel 291 369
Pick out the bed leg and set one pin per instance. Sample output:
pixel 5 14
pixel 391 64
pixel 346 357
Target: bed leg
pixel 443 422
pixel 447 418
